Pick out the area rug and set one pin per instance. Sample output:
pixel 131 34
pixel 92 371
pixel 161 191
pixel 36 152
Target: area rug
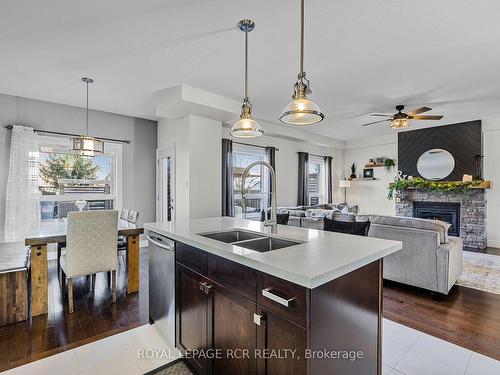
pixel 177 368
pixel 481 271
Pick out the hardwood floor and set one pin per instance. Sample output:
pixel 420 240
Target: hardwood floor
pixel 488 250
pixel 95 317
pixel 466 317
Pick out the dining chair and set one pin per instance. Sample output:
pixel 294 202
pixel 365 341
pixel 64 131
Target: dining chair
pixel 63 208
pixel 124 214
pixel 91 247
pixel 133 216
pixel 122 242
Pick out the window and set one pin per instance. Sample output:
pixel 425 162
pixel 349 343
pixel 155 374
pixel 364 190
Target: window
pixel 64 178
pixel 256 183
pixel 316 180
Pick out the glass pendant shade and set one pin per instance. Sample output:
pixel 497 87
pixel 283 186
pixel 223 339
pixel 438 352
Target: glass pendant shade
pixel 301 112
pixel 88 146
pixel 400 123
pixel 246 128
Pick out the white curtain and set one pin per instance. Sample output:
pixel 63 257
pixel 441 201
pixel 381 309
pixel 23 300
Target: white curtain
pixel 23 196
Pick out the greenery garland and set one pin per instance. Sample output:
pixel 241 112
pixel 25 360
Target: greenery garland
pixel 439 186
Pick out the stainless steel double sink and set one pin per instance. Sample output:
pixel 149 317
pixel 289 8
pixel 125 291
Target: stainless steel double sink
pixel 250 240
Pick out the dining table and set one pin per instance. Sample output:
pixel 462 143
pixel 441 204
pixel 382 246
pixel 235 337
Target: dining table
pixel 54 231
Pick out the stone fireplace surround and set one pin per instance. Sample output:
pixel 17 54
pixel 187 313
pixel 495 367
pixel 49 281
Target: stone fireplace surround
pixel 472 211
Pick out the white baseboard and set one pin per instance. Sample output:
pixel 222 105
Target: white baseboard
pixel 492 243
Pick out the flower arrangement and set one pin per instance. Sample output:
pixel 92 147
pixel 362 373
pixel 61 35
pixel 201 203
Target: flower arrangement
pixel 439 186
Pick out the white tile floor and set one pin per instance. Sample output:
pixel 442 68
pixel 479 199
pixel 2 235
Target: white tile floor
pixel 405 351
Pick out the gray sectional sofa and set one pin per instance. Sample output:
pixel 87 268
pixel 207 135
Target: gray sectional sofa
pixel 312 216
pixel 430 259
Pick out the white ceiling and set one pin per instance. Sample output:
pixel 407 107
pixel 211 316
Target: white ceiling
pixel 362 56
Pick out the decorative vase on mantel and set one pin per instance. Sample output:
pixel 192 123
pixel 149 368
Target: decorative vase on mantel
pixel 478 167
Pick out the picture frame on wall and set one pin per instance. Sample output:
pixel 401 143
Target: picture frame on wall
pixel 368 173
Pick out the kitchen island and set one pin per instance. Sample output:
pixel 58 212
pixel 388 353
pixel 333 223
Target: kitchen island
pixel 300 301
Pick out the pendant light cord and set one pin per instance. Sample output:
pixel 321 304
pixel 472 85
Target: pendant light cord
pixel 301 37
pixel 87 112
pixel 246 64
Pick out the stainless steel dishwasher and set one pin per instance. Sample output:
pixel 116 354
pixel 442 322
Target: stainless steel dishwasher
pixel 162 285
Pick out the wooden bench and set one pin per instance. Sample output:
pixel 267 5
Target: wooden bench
pixel 14 276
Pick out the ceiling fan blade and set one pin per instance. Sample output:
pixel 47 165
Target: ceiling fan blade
pixel 375 122
pixel 381 114
pixel 428 117
pixel 419 110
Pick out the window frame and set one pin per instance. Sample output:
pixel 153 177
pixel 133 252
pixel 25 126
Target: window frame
pixel 115 150
pixel 265 177
pixel 322 185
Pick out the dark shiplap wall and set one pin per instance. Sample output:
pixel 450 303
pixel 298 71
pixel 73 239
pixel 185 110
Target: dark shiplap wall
pixel 462 140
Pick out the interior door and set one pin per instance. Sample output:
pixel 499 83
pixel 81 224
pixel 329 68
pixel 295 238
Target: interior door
pixel 166 184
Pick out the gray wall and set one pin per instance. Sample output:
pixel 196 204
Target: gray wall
pixel 139 157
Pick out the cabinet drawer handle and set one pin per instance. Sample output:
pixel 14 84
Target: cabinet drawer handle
pixel 282 301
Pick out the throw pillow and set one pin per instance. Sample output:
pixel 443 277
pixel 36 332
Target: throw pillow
pixel 340 216
pixel 297 213
pixel 317 213
pixel 356 228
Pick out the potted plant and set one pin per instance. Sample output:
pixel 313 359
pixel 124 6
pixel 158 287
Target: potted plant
pixel 353 171
pixel 389 164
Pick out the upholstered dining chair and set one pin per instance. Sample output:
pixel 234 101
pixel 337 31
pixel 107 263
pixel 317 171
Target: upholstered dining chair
pixel 124 214
pixel 122 243
pixel 133 216
pixel 91 247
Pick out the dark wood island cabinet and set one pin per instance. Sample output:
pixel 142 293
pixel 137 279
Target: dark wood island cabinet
pixel 232 319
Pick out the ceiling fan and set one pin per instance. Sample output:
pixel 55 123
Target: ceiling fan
pixel 401 120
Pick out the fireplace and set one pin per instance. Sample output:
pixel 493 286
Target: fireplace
pixel 444 211
pixel 471 216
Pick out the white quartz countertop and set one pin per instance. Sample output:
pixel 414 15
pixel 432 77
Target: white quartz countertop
pixel 321 257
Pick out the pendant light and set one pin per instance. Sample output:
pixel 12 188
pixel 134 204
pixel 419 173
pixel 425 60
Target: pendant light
pixel 301 110
pixel 246 126
pixel 86 145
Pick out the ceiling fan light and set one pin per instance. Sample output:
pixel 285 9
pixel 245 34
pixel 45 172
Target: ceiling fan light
pixel 400 123
pixel 246 128
pixel 301 111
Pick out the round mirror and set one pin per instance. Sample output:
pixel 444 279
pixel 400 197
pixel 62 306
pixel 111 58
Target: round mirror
pixel 435 164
